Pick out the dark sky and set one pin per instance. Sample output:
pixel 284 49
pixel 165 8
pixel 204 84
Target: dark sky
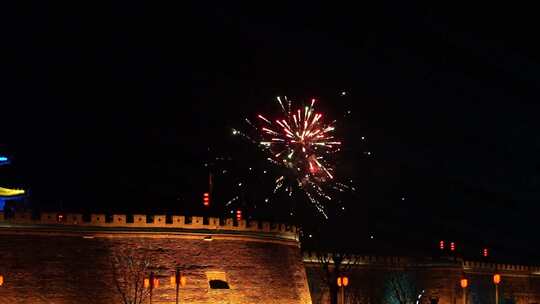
pixel 113 107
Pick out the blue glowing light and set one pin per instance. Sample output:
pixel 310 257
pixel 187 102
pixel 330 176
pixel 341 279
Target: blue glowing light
pixel 4 160
pixel 2 204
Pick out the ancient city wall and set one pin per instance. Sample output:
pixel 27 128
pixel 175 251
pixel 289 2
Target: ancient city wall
pixel 438 278
pixel 60 258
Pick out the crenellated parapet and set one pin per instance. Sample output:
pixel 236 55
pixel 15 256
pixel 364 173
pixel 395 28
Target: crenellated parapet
pixel 394 261
pixel 401 261
pixel 149 222
pixel 475 266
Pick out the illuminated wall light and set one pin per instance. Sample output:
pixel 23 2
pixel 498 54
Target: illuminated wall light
pixel 1 280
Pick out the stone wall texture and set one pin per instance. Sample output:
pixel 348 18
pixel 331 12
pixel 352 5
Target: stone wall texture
pixel 52 264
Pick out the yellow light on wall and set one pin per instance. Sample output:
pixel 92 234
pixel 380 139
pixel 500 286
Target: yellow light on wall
pixel 146 283
pixel 496 278
pixel 1 280
pixel 464 283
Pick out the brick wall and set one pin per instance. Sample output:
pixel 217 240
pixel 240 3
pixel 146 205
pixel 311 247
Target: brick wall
pixel 62 265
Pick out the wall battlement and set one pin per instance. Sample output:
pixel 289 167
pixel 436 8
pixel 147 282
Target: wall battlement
pixel 75 258
pixel 151 221
pixel 482 266
pixel 397 261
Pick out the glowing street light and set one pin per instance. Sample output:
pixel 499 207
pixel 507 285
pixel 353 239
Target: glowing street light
pixel 464 283
pixel 496 281
pixel 179 280
pixel 1 280
pixel 342 282
pixel 151 282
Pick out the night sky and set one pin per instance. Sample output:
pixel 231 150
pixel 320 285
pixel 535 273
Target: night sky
pixel 114 108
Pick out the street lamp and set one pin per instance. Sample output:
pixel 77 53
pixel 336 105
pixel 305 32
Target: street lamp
pixel 151 282
pixel 179 280
pixel 496 280
pixel 464 283
pixel 342 282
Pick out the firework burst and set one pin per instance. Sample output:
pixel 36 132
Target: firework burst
pixel 302 145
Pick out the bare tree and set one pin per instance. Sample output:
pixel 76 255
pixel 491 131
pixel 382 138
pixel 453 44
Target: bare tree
pixel 129 270
pixel 402 288
pixel 365 287
pixel 333 265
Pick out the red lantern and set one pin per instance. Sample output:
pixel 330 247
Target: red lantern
pixel 342 281
pixel 239 215
pixel 206 199
pixel 183 281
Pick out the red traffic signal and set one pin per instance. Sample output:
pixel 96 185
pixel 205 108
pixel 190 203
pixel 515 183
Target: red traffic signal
pixel 441 245
pixel 485 252
pixel 206 199
pixel 239 215
pixel 452 246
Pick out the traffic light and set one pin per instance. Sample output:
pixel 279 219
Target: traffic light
pixel 452 246
pixel 441 245
pixel 485 252
pixel 238 215
pixel 206 199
